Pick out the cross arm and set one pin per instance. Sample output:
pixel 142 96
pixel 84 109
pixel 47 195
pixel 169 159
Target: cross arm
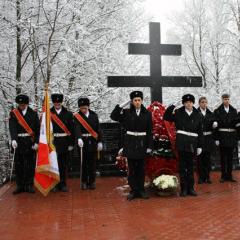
pixel 170 50
pixel 129 81
pixel 138 48
pixel 181 81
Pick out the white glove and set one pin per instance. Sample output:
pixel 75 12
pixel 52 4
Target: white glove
pixel 199 151
pixel 122 105
pixel 217 143
pixel 70 148
pixel 80 142
pixel 149 150
pixel 100 146
pixel 215 125
pixel 120 151
pixel 35 147
pixel 14 144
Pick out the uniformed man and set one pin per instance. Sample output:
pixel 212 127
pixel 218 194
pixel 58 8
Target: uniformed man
pixel 209 124
pixel 138 140
pixel 226 136
pixel 24 128
pixel 188 124
pixel 63 131
pixel 89 137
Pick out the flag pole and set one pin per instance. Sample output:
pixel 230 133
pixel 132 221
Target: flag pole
pixel 81 164
pixel 14 151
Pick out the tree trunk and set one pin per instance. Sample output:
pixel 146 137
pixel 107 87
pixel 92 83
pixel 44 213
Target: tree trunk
pixel 19 51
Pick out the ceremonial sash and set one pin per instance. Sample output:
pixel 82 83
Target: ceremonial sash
pixel 58 121
pixel 23 123
pixel 86 125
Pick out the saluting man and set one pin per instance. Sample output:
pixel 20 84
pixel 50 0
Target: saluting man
pixel 24 128
pixel 89 137
pixel 226 136
pixel 138 140
pixel 63 131
pixel 188 124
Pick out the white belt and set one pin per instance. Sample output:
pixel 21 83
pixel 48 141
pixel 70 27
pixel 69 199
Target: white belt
pixel 207 133
pixel 86 135
pixel 187 133
pixel 226 130
pixel 59 134
pixel 24 135
pixel 136 133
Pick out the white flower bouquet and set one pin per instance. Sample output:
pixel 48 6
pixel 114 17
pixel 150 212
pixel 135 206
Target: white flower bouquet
pixel 166 185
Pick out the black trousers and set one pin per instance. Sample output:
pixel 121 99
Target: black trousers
pixel 226 162
pixel 204 166
pixel 25 164
pixel 136 174
pixel 88 167
pixel 62 158
pixel 186 170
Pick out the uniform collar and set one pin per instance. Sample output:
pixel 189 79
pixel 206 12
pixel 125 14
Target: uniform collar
pixel 188 112
pixel 203 111
pixel 226 108
pixel 87 114
pixel 24 111
pixel 138 111
pixel 58 111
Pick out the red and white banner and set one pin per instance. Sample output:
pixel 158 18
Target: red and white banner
pixel 46 172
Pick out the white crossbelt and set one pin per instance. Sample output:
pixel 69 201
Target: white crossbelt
pixel 226 130
pixel 86 135
pixel 237 125
pixel 207 133
pixel 23 135
pixel 187 133
pixel 59 134
pixel 136 133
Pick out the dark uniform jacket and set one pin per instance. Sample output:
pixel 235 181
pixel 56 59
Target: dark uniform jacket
pixel 208 139
pixel 62 143
pixel 135 146
pixel 90 143
pixel 184 122
pixel 226 121
pixel 25 143
pixel 238 126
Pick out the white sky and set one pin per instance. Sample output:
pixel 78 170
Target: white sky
pixel 161 10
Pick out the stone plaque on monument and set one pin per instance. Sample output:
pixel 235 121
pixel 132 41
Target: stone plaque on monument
pixel 112 142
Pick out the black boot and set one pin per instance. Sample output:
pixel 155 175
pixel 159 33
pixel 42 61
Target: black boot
pixel 63 187
pixel 192 192
pixel 55 189
pixel 132 195
pixel 84 186
pixel 232 180
pixel 183 193
pixel 222 180
pixel 18 190
pixel 208 181
pixel 92 186
pixel 143 195
pixel 31 189
pixel 200 181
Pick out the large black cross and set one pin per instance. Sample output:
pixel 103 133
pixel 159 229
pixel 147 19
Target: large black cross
pixel 155 81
